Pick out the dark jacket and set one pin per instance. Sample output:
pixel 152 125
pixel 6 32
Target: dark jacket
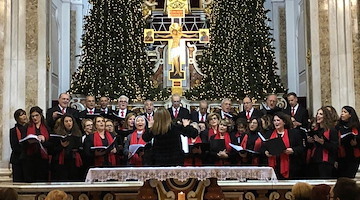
pixel 167 150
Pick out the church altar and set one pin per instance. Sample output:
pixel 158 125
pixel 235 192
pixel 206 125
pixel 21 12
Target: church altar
pixel 180 173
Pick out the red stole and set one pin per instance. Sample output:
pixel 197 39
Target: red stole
pixel 325 156
pixel 227 139
pixel 78 160
pixel 284 158
pixel 136 159
pixel 18 133
pixel 212 132
pixel 99 160
pixel 342 152
pixel 193 161
pixel 31 130
pixel 257 146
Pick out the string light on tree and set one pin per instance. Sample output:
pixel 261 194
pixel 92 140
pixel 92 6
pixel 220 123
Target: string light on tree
pixel 113 60
pixel 240 60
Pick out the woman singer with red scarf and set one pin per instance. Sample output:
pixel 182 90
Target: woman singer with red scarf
pixel 36 159
pixel 286 165
pixel 136 158
pixel 100 138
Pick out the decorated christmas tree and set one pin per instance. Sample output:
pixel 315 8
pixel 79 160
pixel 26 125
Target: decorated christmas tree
pixel 113 58
pixel 240 60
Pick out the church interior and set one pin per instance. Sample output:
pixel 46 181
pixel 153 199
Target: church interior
pixel 211 50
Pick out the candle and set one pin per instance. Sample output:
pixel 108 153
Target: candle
pixel 181 196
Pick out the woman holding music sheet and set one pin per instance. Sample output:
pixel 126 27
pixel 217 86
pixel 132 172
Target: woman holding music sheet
pixel 126 129
pixel 251 141
pixel 349 150
pixel 322 146
pixel 99 147
pixel 220 149
pixel 135 139
pixel 166 148
pixel 287 163
pixel 66 142
pixel 35 154
pixel 16 134
pixel 195 155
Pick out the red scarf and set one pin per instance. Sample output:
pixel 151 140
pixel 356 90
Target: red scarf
pixel 325 156
pixel 342 152
pixel 284 158
pixel 212 132
pixel 99 160
pixel 227 139
pixel 257 146
pixel 193 161
pixel 31 130
pixel 136 160
pixel 76 155
pixel 18 133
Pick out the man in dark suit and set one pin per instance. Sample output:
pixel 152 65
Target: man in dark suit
pixel 90 111
pixel 271 105
pixel 104 106
pixel 226 110
pixel 201 114
pixel 54 113
pixel 122 111
pixel 176 111
pixel 298 112
pixel 249 111
pixel 149 110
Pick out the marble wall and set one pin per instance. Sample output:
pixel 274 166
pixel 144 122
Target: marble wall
pixel 355 14
pixel 31 53
pixel 73 43
pixel 324 52
pixel 2 46
pixel 282 42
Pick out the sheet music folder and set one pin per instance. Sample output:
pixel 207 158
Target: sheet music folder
pixel 275 146
pixel 217 145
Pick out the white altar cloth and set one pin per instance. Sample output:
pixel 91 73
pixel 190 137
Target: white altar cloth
pixel 180 173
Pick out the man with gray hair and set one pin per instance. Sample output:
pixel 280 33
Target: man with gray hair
pixel 271 105
pixel 176 110
pixel 200 115
pixel 226 110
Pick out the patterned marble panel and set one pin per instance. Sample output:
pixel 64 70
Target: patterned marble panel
pixel 31 52
pixel 355 16
pixel 324 52
pixel 73 63
pixel 282 42
pixel 2 35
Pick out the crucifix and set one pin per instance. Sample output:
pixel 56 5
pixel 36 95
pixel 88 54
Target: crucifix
pixel 175 38
pixel 176 51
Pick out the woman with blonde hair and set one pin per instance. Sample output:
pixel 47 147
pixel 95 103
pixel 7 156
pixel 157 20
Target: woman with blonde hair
pixel 166 148
pixel 56 195
pixel 213 120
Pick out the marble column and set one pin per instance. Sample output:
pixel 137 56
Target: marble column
pixel 333 26
pixel 23 73
pixel 355 16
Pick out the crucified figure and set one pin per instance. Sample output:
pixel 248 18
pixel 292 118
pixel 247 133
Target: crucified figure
pixel 175 50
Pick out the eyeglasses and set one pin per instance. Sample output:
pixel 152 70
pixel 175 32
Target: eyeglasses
pixel 123 101
pixel 109 125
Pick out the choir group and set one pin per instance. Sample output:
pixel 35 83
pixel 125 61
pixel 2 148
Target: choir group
pixel 68 142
